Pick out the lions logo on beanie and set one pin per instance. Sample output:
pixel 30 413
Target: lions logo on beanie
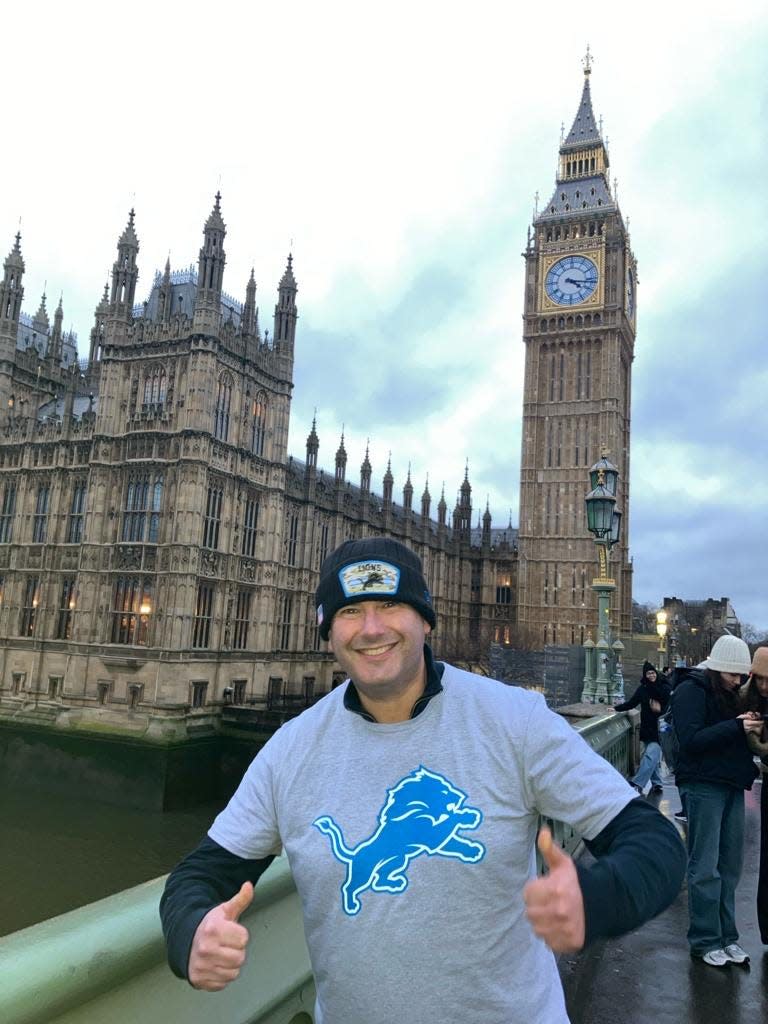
pixel 371 569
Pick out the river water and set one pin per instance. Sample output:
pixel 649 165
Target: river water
pixel 60 853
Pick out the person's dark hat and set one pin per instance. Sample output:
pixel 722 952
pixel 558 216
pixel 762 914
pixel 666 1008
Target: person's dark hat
pixel 648 667
pixel 371 569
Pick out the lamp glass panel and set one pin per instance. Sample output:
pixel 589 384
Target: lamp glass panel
pixel 600 514
pixel 615 527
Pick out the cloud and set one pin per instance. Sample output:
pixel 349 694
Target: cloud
pixel 396 152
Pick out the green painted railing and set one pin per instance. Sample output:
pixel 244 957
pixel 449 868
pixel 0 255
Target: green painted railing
pixel 105 963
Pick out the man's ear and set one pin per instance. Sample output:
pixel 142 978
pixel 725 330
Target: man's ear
pixel 427 628
pixel 330 644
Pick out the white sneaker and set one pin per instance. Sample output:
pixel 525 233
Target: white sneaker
pixel 717 958
pixel 736 954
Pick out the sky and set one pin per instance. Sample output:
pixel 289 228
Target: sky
pixel 396 150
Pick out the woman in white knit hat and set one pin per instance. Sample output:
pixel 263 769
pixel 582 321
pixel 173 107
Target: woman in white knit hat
pixel 755 699
pixel 714 768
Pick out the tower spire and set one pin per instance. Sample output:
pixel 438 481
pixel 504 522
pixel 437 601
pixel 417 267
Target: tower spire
pixel 341 460
pixel 56 343
pixel 584 129
pixel 125 272
pixel 313 444
pixel 284 333
pixel 11 294
pixel 582 174
pixel 210 270
pixel 408 491
pixel 365 470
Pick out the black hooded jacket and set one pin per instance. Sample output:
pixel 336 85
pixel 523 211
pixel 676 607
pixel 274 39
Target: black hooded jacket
pixel 643 695
pixel 713 744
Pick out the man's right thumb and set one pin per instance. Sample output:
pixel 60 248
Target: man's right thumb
pixel 240 901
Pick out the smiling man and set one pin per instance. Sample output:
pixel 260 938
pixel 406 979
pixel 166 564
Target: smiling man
pixel 408 804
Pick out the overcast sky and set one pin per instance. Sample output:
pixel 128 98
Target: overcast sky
pixel 396 149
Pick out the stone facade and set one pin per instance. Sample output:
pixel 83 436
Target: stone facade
pixel 159 548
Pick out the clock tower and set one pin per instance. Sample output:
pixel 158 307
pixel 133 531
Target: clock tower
pixel 579 335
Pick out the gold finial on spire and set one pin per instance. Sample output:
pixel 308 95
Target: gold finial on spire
pixel 587 62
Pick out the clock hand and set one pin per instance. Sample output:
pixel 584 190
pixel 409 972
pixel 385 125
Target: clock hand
pixel 570 280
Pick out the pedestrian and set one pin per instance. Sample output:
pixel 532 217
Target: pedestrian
pixel 755 699
pixel 652 695
pixel 412 756
pixel 668 736
pixel 714 768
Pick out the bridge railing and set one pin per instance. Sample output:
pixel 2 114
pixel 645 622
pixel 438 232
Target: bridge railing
pixel 105 963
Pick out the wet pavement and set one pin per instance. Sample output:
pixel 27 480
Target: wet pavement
pixel 648 976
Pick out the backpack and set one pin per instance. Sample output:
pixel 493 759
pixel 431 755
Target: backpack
pixel 670 745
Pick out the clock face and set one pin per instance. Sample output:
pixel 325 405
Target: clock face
pixel 571 280
pixel 630 293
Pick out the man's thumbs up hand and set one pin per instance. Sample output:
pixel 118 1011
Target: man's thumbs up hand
pixel 239 903
pixel 218 948
pixel 554 903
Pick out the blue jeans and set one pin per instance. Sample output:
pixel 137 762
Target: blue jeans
pixel 715 856
pixel 649 766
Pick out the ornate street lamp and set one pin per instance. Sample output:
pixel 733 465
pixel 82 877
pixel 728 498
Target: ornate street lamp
pixel 603 681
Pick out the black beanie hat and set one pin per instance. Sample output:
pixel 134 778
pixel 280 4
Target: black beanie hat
pixel 648 667
pixel 371 569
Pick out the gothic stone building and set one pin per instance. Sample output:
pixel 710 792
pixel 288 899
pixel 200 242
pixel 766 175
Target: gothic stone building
pixel 159 547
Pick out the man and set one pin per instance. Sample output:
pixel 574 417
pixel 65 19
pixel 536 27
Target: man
pixel 653 696
pixel 407 802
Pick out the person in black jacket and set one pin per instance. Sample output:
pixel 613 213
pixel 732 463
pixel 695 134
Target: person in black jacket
pixel 754 698
pixel 714 767
pixel 652 695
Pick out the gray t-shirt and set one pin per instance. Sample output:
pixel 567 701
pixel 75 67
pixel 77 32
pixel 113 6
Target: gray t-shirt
pixel 410 845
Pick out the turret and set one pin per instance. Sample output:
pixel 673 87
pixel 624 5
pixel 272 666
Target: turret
pixel 210 271
pixel 55 344
pixel 11 294
pixel 125 274
pixel 442 509
pixel 313 446
pixel 462 518
pixel 164 301
pixel 426 500
pixel 486 535
pixel 248 319
pixel 98 329
pixel 285 311
pixel 40 322
pixel 341 462
pixel 389 481
pixel 365 472
pixel 408 492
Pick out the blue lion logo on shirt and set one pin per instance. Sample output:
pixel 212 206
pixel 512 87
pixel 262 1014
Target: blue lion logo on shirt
pixel 423 813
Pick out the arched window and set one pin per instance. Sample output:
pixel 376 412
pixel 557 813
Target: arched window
pixel 155 386
pixel 221 412
pixel 142 509
pixel 258 423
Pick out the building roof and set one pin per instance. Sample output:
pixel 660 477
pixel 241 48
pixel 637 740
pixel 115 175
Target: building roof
pixel 584 130
pixel 587 194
